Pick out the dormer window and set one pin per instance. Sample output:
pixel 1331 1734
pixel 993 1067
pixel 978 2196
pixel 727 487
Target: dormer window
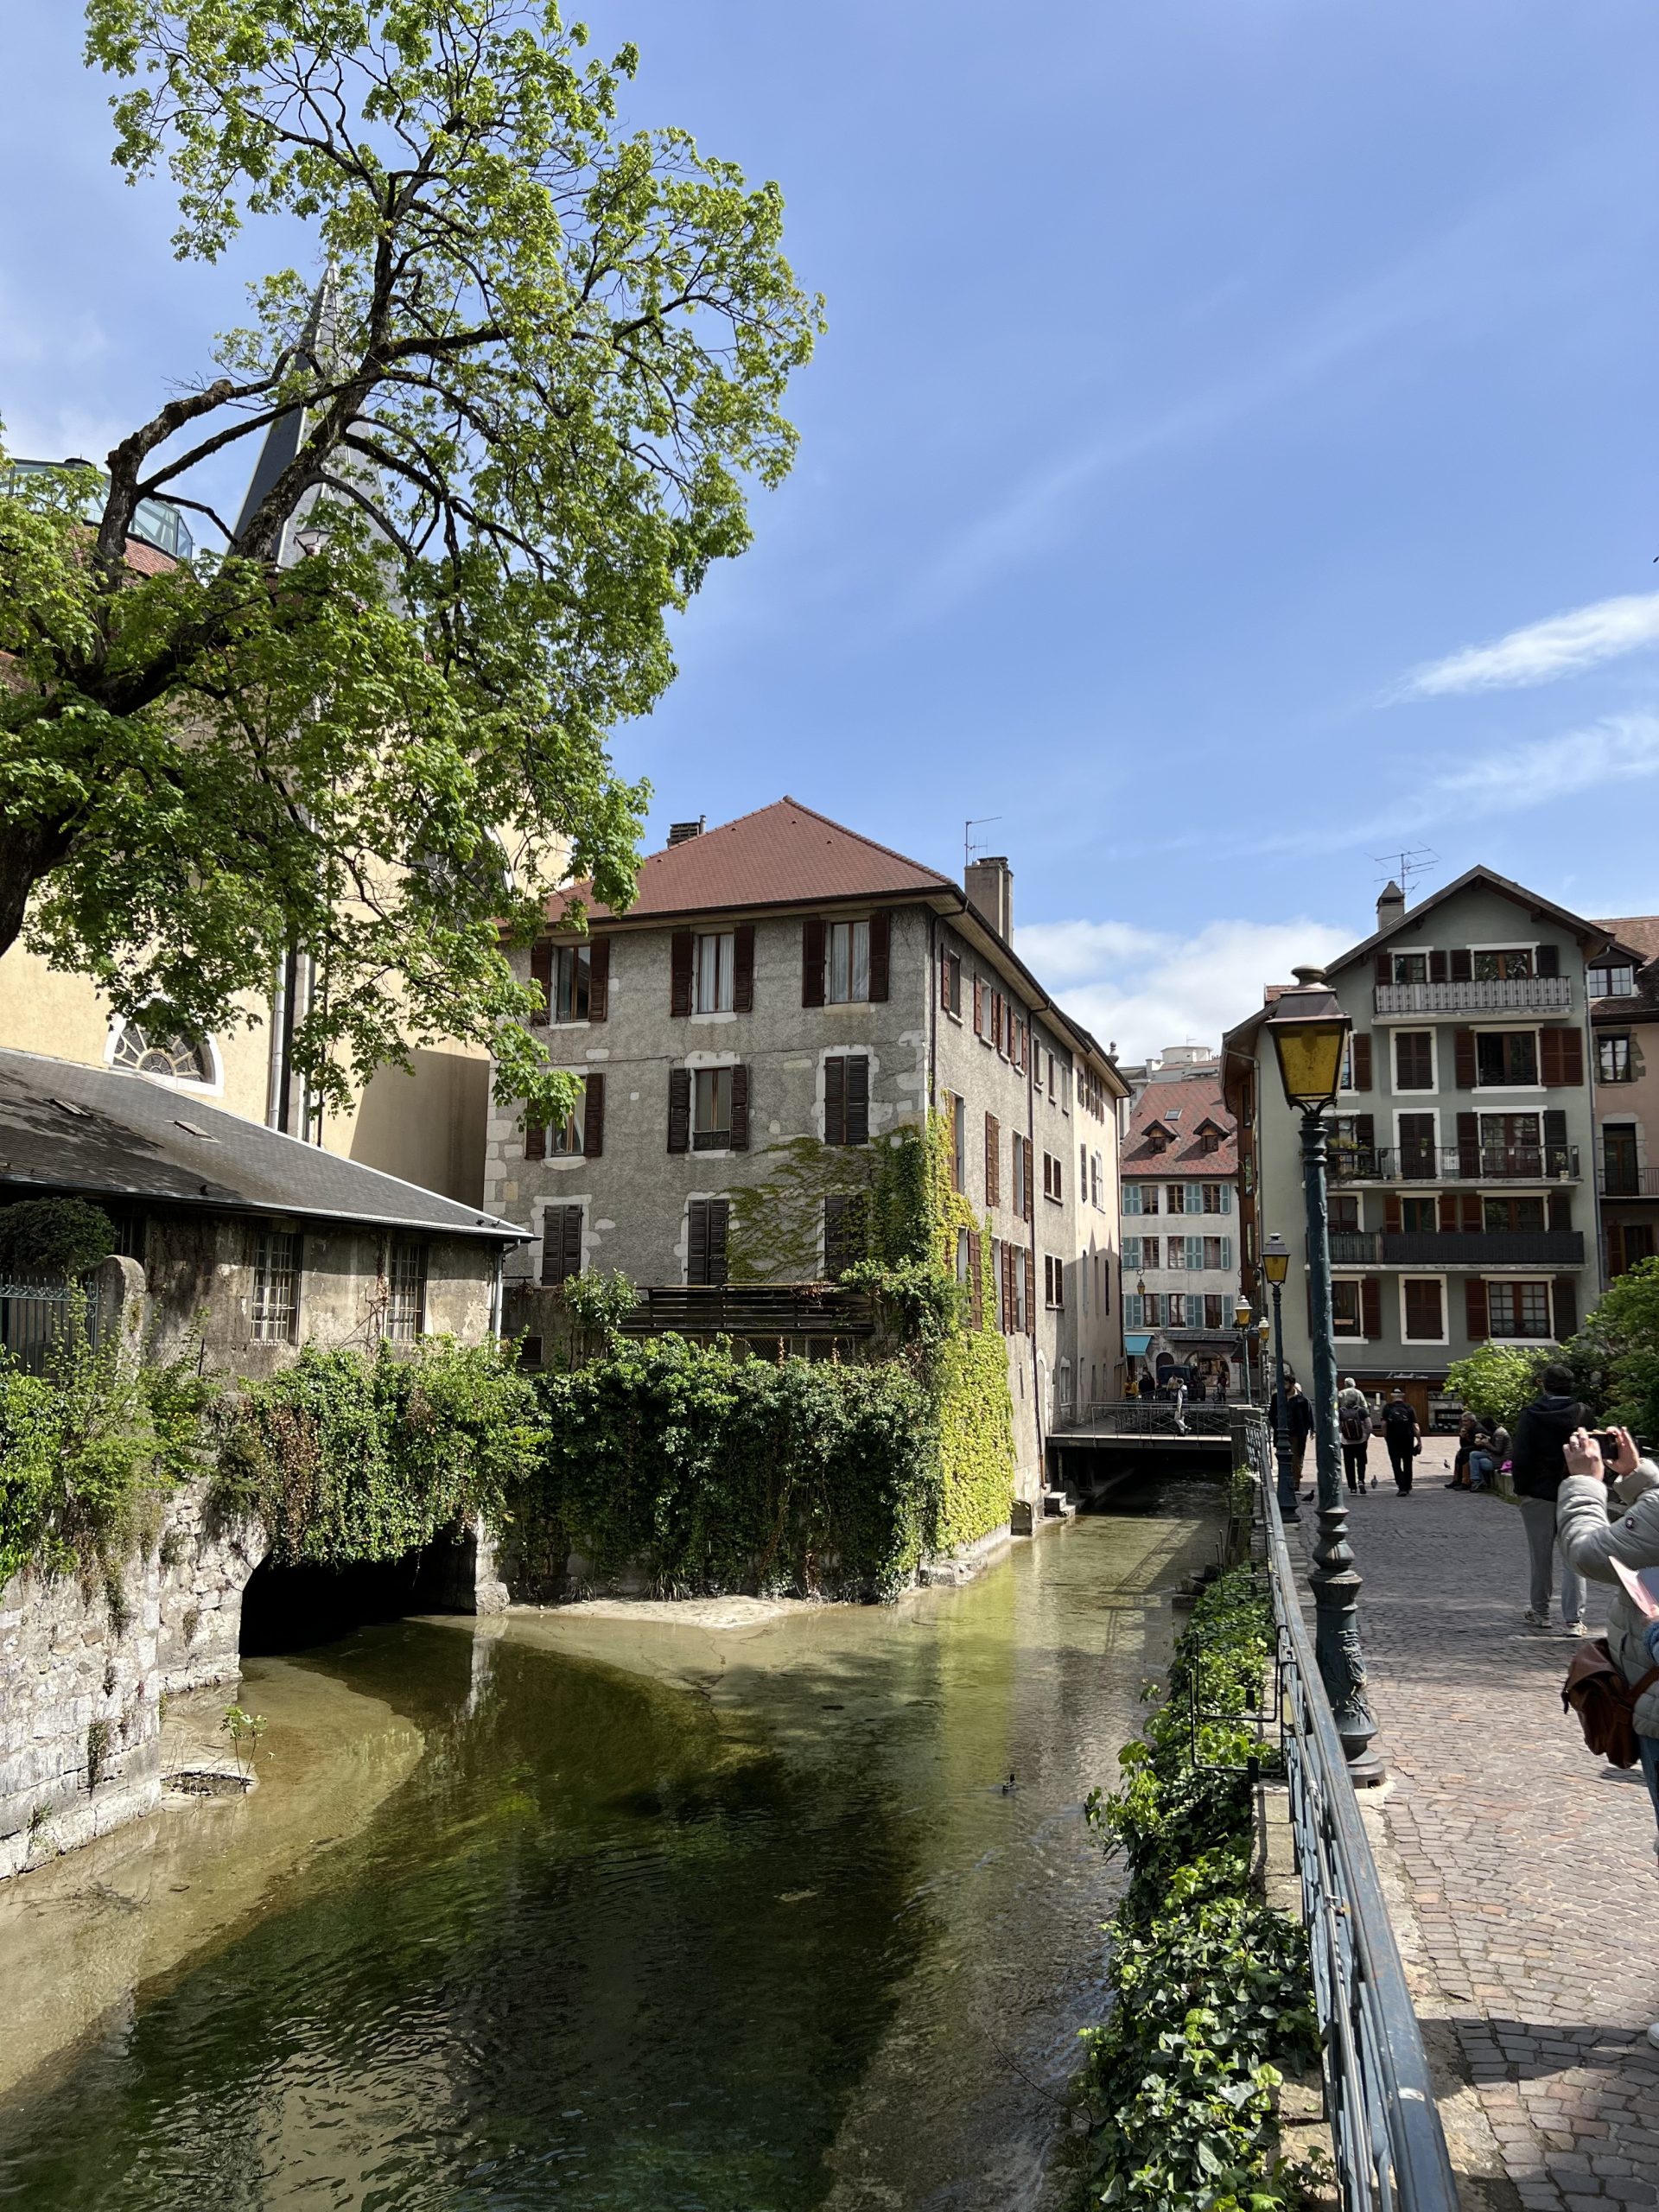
pixel 1610 980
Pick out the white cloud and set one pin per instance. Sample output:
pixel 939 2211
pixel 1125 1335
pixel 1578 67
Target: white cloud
pixel 1142 989
pixel 1542 651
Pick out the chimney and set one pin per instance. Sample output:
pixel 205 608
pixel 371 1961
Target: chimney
pixel 989 885
pixel 1391 907
pixel 679 831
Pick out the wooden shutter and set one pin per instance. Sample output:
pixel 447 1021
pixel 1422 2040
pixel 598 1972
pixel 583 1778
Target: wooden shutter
pixel 541 974
pixel 1384 967
pixel 1471 1204
pixel 535 1140
pixel 880 954
pixel 1031 1295
pixel 813 961
pixel 592 1116
pixel 743 968
pixel 977 1278
pixel 1560 1058
pixel 696 1241
pixel 1463 1048
pixel 1554 1140
pixel 679 1110
pixel 1615 1249
pixel 561 1243
pixel 1468 1144
pixel 679 987
pixel 1391 1222
pixel 993 1161
pixel 1028 1193
pixel 720 1216
pixel 1560 1209
pixel 1549 960
pixel 858 1099
pixel 1371 1307
pixel 1549 1057
pixel 1437 967
pixel 996 1023
pixel 979 1006
pixel 1448 1212
pixel 1462 966
pixel 1365 1132
pixel 599 979
pixel 944 978
pixel 1566 1305
pixel 835 1100
pixel 740 1110
pixel 1362 1062
pixel 1474 1298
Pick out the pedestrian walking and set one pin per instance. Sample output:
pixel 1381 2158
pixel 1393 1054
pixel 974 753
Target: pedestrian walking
pixel 1354 1424
pixel 1539 1464
pixel 1403 1438
pixel 1299 1411
pixel 1591 1541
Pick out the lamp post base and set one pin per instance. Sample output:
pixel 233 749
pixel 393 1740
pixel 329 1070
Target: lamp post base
pixel 1335 1583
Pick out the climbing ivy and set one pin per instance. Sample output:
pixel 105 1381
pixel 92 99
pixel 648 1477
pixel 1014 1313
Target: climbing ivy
pixel 53 1238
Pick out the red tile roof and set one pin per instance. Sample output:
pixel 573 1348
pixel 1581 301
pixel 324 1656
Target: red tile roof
pixel 147 560
pixel 1197 1099
pixel 1638 933
pixel 781 855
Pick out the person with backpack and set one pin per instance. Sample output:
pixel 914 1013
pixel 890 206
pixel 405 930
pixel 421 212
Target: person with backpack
pixel 1540 1436
pixel 1592 1539
pixel 1403 1438
pixel 1354 1424
pixel 1299 1411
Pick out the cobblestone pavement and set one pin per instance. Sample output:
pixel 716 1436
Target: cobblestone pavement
pixel 1529 1863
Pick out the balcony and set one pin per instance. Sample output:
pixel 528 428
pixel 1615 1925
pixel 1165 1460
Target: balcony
pixel 1553 1249
pixel 750 1309
pixel 1428 1001
pixel 1620 1182
pixel 1453 1163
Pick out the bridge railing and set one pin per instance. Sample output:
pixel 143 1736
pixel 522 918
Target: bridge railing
pixel 1390 2150
pixel 1157 1417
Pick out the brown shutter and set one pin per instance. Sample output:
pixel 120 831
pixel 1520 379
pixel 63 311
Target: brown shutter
pixel 599 979
pixel 997 1022
pixel 679 1110
pixel 1391 1214
pixel 1462 966
pixel 1448 1212
pixel 679 986
pixel 977 1278
pixel 1384 967
pixel 993 1161
pixel 944 978
pixel 1560 1209
pixel 835 1100
pixel 880 954
pixel 541 974
pixel 1549 1057
pixel 1463 1050
pixel 1474 1298
pixel 1028 1181
pixel 573 1240
pixel 1365 1132
pixel 1362 1069
pixel 1437 967
pixel 979 1006
pixel 593 1117
pixel 740 1110
pixel 720 1217
pixel 1566 1303
pixel 1471 1204
pixel 858 1099
pixel 813 961
pixel 1571 1052
pixel 535 1140
pixel 1468 1144
pixel 1549 960
pixel 696 1241
pixel 743 968
pixel 1615 1249
pixel 1371 1307
pixel 1554 1141
pixel 1031 1295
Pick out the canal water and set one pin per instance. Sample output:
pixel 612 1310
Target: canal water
pixel 737 1913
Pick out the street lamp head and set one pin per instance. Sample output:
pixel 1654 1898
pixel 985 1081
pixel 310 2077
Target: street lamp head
pixel 1275 1259
pixel 1264 1330
pixel 1242 1314
pixel 1310 1032
pixel 1140 1285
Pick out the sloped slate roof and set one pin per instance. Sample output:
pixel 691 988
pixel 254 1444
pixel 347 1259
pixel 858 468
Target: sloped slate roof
pixel 783 855
pixel 1197 1099
pixel 65 1126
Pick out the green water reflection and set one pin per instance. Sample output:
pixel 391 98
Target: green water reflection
pixel 729 1924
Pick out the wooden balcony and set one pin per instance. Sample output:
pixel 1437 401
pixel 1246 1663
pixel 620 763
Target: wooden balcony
pixel 1434 1002
pixel 762 1310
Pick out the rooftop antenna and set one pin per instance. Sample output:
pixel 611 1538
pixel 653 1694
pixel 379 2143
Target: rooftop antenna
pixel 1401 867
pixel 968 848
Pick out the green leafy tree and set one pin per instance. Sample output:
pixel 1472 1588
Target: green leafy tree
pixel 549 360
pixel 1616 1355
pixel 1496 1380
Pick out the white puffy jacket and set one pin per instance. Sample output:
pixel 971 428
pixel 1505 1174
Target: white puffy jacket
pixel 1591 1539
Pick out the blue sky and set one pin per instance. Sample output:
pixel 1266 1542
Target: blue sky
pixel 1208 387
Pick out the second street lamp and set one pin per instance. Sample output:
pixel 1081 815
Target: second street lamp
pixel 1275 1266
pixel 1242 1318
pixel 1310 1030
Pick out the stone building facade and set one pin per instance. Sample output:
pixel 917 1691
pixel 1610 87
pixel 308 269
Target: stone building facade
pixel 1181 1244
pixel 1623 988
pixel 782 994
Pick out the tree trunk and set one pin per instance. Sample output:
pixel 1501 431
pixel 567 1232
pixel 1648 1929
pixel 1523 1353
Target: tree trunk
pixel 27 855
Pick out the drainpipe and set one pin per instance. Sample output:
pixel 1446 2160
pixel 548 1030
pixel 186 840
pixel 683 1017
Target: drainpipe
pixel 497 1295
pixel 1030 1159
pixel 276 1074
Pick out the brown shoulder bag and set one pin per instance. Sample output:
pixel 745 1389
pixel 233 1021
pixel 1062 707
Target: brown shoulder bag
pixel 1597 1691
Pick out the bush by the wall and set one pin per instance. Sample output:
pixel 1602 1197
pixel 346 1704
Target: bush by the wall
pixel 707 1471
pixel 50 1238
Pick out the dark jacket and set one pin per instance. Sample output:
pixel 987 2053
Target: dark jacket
pixel 1540 1434
pixel 1301 1411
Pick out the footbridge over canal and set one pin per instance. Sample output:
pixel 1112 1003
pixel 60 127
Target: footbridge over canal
pixel 1134 1437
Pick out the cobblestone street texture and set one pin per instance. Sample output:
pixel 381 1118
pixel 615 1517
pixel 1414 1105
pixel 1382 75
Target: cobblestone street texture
pixel 1521 1868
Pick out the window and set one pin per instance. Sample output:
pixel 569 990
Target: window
pixel 1510 1144
pixel 847 1099
pixel 847 962
pixel 564 1139
pixel 964 1260
pixel 1051 1177
pixel 1036 1068
pixel 1613 1057
pixel 1175 1303
pixel 956 1109
pixel 1020 1175
pixel 1628 1244
pixel 1095 1181
pixel 1151 1249
pixel 1420 1216
pixel 1175 1194
pixel 1610 980
pixel 1620 1170
pixel 951 983
pixel 1213 1317
pixel 1411 967
pixel 1417 1149
pixel 1342 1213
pixel 570 989
pixel 1424 1304
pixel 1053 1282
pixel 1506 1057
pixel 1154 1305
pixel 1138 1198
pixel 1518 1309
pixel 175 1058
pixel 707 1221
pixel 275 1301
pixel 1414 1059
pixel 1512 1217
pixel 1345 1320
pixel 845 1239
pixel 1503 967
pixel 1218 1198
pixel 711 1110
pixel 405 1315
pixel 713 969
pixel 1217 1251
pixel 1052 1092
pixel 561 1244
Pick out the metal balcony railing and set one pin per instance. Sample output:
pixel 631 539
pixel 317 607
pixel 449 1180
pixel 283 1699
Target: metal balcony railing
pixel 750 1309
pixel 1452 1163
pixel 1523 995
pixel 1455 1248
pixel 1616 1182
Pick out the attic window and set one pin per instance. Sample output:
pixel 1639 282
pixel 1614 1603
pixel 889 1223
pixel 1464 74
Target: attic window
pixel 1157 1138
pixel 191 1130
pixel 1173 1113
pixel 67 1106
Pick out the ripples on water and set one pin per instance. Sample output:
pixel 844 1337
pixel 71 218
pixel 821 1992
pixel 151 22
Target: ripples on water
pixel 767 1935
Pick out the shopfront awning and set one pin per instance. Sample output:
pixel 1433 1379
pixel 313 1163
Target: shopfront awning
pixel 1137 1342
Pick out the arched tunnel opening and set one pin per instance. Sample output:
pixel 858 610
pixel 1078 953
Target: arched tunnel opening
pixel 291 1607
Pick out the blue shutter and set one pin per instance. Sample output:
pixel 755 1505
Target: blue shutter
pixel 1226 1251
pixel 1195 1198
pixel 1226 1197
pixel 1132 1198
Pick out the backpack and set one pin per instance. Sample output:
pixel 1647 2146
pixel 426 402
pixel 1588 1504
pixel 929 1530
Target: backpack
pixel 1400 1417
pixel 1597 1691
pixel 1356 1428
